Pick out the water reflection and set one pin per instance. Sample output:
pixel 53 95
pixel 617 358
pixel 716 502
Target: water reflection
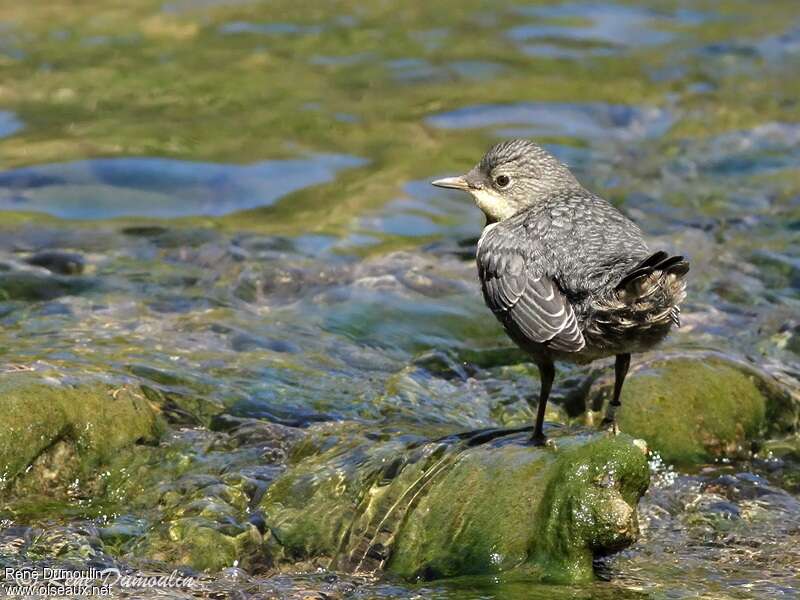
pixel 574 29
pixel 358 299
pixel 236 27
pixel 9 123
pixel 158 187
pixel 575 120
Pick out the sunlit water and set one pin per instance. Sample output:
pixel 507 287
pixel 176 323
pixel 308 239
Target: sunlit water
pixel 248 187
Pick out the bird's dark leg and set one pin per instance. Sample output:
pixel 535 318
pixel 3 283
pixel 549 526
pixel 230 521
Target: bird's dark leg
pixel 547 373
pixel 620 371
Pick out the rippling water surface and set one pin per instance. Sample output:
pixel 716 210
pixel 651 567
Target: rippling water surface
pixel 246 184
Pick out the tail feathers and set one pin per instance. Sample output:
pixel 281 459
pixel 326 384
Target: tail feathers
pixel 644 304
pixel 660 261
pixel 652 290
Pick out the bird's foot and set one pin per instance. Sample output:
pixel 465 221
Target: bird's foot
pixel 610 427
pixel 541 440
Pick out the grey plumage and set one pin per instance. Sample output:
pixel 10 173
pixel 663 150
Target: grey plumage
pixel 567 275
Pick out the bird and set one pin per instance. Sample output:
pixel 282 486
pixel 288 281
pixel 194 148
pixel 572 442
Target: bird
pixel 569 277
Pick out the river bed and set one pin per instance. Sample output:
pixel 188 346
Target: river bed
pixel 227 203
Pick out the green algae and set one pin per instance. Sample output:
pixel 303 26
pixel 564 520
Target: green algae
pixel 439 509
pixel 36 286
pixel 107 79
pixel 695 409
pixel 189 500
pixel 194 85
pixel 203 547
pixel 542 512
pixel 55 430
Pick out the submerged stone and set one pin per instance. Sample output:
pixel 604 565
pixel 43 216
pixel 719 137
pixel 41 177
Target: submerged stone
pixel 54 430
pixel 698 407
pixel 38 286
pixel 190 499
pixel 464 505
pixel 61 263
pixel 200 543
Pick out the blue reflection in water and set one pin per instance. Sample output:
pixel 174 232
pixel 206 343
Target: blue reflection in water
pixel 239 27
pixel 158 187
pixel 9 123
pixel 578 120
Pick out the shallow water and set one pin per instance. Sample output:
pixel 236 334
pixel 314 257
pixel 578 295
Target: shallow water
pixel 247 186
pixel 106 188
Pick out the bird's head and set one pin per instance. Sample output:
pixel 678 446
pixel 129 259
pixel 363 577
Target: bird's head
pixel 512 176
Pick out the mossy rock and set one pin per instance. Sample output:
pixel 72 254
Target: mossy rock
pixel 39 286
pixel 428 510
pixel 200 544
pixel 699 407
pixel 54 431
pixel 189 501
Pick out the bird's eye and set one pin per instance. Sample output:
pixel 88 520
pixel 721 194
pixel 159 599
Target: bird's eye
pixel 502 181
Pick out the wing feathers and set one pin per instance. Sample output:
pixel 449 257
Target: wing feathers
pixel 521 294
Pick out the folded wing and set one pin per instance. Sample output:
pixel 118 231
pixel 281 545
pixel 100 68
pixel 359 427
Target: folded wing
pixel 521 293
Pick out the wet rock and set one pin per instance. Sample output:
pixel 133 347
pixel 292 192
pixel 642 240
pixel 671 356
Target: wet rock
pixel 244 431
pixel 202 545
pixel 146 231
pixel 205 527
pixel 247 342
pixel 40 285
pixel 441 364
pixel 429 284
pixel 189 500
pixel 75 542
pixel 782 449
pixel 288 415
pixel 488 358
pixel 171 238
pixel 721 509
pixel 55 431
pixel 123 529
pixel 178 397
pixel 284 282
pixel 700 406
pixel 432 509
pixel 61 263
pixel 776 269
pixel 792 333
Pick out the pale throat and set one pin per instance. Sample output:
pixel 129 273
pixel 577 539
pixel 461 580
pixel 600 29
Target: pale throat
pixel 493 205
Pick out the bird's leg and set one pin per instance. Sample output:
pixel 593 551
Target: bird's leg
pixel 547 373
pixel 620 371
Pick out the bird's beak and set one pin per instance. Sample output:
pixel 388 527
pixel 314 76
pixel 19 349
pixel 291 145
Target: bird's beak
pixel 454 183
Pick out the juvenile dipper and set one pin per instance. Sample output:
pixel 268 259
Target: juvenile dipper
pixel 568 275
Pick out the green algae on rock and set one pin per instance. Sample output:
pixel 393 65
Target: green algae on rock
pixel 201 523
pixel 189 500
pixel 38 285
pixel 432 509
pixel 55 430
pixel 694 408
pixel 204 547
